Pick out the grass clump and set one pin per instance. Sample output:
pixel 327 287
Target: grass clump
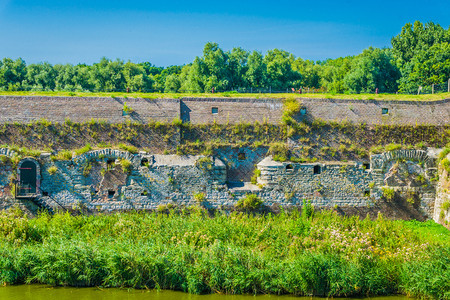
pixel 126 165
pixel 52 170
pixel 63 155
pixel 250 202
pixel 83 150
pixel 256 174
pixel 129 148
pixel 388 193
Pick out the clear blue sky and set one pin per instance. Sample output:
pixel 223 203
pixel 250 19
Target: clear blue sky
pixel 174 32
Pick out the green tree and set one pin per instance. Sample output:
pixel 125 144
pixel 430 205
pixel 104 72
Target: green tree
pixel 280 74
pixel 256 70
pixel 370 70
pixel 332 73
pixel 172 84
pixel 12 73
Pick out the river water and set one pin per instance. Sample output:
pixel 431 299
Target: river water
pixel 41 292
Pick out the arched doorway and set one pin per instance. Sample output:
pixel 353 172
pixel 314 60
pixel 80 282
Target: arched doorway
pixel 28 178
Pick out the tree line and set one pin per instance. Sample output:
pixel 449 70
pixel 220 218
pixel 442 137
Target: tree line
pixel 419 56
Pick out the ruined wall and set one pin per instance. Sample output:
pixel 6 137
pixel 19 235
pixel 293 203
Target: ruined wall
pixel 442 206
pixel 371 111
pixel 403 178
pixel 341 184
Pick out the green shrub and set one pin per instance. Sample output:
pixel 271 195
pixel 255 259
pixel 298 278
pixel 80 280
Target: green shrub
pixel 126 165
pixel 52 170
pixel 127 109
pixel 445 206
pixel 307 209
pixel 200 197
pixel 388 193
pixel 279 151
pixel 204 163
pixel 250 202
pixel 129 148
pixel 63 155
pixel 446 165
pixel 392 147
pixel 256 174
pixel 83 150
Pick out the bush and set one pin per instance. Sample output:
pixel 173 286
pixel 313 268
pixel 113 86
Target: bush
pixel 256 174
pixel 250 202
pixel 388 193
pixel 52 170
pixel 279 151
pixel 129 148
pixel 200 197
pixel 126 165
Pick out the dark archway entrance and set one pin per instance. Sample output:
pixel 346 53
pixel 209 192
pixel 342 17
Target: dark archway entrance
pixel 28 180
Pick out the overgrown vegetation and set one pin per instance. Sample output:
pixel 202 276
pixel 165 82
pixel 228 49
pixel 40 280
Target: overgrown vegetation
pixel 316 140
pixel 302 254
pixel 250 202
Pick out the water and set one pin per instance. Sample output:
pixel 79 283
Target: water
pixel 41 292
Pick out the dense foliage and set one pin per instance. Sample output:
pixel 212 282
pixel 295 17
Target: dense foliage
pixel 304 254
pixel 420 56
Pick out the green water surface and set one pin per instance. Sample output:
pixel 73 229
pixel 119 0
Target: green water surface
pixel 41 292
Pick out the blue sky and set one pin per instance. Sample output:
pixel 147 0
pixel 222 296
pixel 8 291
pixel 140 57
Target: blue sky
pixel 174 32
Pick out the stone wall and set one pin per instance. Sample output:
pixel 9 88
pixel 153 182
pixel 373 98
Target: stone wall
pixel 442 212
pixel 118 180
pixel 220 110
pixel 82 109
pixel 377 111
pixel 340 184
pixel 231 110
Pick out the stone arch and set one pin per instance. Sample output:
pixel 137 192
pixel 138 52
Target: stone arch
pixel 28 178
pixel 380 161
pixel 80 160
pixel 7 152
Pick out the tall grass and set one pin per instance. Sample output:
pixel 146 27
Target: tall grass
pixel 320 254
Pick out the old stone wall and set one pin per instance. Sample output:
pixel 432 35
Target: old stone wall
pixel 442 205
pixel 341 184
pixel 220 110
pixel 111 179
pixel 374 112
pixel 231 110
pixel 82 109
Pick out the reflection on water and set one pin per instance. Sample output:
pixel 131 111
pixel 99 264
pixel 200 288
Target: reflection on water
pixel 41 292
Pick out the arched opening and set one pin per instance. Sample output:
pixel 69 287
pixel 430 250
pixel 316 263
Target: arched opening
pixel 29 180
pixel 144 162
pixel 289 168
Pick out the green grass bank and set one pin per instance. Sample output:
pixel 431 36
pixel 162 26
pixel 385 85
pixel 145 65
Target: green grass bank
pixel 384 96
pixel 304 253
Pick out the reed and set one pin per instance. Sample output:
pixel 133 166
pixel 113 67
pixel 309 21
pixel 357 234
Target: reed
pixel 320 254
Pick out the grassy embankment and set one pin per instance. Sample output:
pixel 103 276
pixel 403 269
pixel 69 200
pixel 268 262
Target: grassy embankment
pixel 301 254
pixel 428 97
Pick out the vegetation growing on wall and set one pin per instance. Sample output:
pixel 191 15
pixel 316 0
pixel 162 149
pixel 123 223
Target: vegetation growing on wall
pixel 309 141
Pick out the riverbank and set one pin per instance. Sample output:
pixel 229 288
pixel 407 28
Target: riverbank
pixel 310 253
